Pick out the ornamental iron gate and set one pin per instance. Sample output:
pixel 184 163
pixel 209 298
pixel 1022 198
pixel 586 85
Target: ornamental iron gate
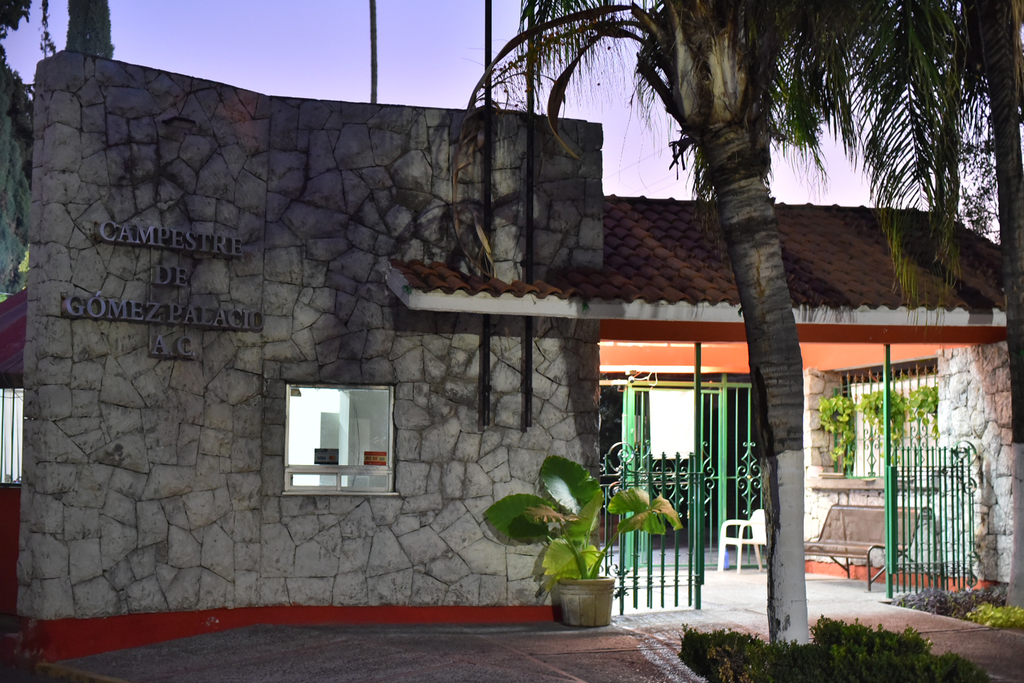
pixel 929 490
pixel 724 483
pixel 933 492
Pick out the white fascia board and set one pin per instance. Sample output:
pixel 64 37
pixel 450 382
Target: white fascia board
pixel 599 309
pixel 902 316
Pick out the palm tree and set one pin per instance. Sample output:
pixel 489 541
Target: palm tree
pixel 999 25
pixel 983 78
pixel 737 77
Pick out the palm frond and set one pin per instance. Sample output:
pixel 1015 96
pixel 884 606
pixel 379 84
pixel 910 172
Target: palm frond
pixel 563 25
pixel 909 96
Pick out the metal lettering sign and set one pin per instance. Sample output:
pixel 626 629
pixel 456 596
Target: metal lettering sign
pixel 168 238
pixel 183 346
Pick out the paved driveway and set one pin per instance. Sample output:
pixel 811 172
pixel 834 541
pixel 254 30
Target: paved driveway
pixel 638 647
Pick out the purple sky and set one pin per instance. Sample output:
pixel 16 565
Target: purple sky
pixel 430 53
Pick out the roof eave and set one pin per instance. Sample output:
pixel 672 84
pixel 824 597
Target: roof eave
pixel 599 309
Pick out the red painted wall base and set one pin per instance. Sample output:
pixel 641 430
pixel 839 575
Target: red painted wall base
pixel 57 639
pixel 858 572
pixel 10 522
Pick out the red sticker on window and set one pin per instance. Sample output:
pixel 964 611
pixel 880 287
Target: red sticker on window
pixel 379 458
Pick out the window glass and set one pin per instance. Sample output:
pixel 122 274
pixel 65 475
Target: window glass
pixel 339 440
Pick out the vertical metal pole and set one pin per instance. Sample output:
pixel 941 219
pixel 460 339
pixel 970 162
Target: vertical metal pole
pixel 722 455
pixel 373 51
pixel 528 255
pixel 677 485
pixel 692 494
pixel 527 383
pixel 485 334
pixel 644 537
pixel 629 431
pixel 488 121
pixel 891 512
pixel 699 457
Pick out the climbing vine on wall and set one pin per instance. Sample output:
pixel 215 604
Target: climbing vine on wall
pixel 837 418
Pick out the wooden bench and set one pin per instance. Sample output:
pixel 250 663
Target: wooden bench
pixel 851 532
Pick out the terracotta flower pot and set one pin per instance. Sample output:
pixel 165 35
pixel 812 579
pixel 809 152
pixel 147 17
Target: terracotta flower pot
pixel 586 602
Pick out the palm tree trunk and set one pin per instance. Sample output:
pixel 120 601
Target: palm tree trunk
pixel 746 213
pixel 998 40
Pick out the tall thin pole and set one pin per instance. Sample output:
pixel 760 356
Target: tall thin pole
pixel 891 511
pixel 373 51
pixel 696 489
pixel 488 123
pixel 527 387
pixel 485 333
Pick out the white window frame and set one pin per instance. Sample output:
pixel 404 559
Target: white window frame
pixel 340 471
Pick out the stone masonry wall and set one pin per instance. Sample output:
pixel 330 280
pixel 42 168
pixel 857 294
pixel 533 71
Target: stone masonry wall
pixel 154 483
pixel 974 406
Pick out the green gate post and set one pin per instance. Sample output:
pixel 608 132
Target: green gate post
pixel 722 458
pixel 891 537
pixel 628 412
pixel 630 445
pixel 695 523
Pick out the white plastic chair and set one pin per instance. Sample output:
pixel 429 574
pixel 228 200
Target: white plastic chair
pixel 758 538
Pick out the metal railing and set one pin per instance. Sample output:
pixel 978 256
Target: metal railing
pixel 935 490
pixel 911 425
pixel 723 483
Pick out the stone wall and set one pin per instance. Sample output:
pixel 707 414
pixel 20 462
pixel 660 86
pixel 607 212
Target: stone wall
pixel 154 483
pixel 974 406
pixel 817 442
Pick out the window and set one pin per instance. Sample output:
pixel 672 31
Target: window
pixel 339 440
pixel 12 404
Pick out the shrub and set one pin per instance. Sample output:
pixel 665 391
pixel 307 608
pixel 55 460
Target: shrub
pixel 957 604
pixel 840 653
pixel 998 617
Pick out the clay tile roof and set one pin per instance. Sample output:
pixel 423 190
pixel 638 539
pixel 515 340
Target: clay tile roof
pixel 442 277
pixel 835 257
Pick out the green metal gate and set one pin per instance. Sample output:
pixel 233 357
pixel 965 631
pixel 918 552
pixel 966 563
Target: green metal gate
pixel 930 490
pixel 723 483
pixel 930 502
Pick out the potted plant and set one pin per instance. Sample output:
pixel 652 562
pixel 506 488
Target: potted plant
pixel 566 521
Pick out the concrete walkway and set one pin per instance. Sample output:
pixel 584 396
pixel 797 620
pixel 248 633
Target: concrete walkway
pixel 638 647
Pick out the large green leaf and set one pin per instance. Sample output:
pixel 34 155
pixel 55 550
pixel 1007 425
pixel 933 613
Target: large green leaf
pixel 629 500
pixel 560 561
pixel 647 515
pixel 508 516
pixel 571 486
pixel 663 507
pixel 580 529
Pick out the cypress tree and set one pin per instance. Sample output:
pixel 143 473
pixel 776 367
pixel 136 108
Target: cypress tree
pixel 15 156
pixel 15 195
pixel 89 28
